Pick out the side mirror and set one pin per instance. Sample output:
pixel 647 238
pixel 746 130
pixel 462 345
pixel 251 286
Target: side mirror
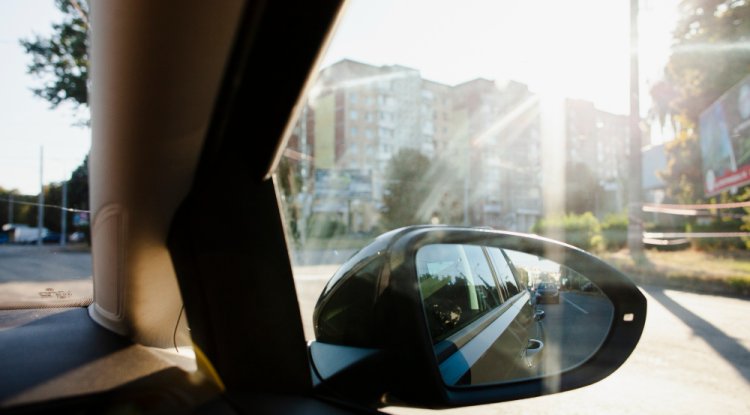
pixel 442 316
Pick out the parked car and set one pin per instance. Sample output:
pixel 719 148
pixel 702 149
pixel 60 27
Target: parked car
pixel 77 237
pixel 24 234
pixel 547 292
pixel 51 237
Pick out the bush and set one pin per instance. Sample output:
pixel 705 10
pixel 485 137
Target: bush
pixel 615 231
pixel 717 244
pixel 326 228
pixel 582 230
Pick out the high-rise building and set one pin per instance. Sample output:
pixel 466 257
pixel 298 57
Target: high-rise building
pixel 500 127
pixel 485 137
pixel 599 141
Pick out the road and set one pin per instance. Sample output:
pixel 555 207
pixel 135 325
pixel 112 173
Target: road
pixel 693 358
pixel 574 328
pixel 27 271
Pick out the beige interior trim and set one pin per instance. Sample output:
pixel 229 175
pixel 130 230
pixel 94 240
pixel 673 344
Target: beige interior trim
pixel 152 89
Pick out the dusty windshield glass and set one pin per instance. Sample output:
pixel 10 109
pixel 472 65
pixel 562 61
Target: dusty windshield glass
pixel 628 138
pixel 45 257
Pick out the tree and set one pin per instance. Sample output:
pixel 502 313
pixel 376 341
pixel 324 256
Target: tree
pixel 707 59
pixel 707 56
pixel 683 176
pixel 60 62
pixel 409 186
pixel 78 187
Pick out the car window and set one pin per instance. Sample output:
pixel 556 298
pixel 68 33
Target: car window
pixel 481 270
pixel 45 257
pixel 503 271
pixel 518 116
pixel 456 285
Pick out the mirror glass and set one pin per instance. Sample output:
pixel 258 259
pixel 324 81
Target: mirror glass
pixel 498 315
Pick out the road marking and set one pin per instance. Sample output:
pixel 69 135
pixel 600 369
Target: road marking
pixel 574 305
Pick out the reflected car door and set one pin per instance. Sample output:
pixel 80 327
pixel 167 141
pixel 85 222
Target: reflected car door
pixel 472 321
pixel 525 322
pixel 514 330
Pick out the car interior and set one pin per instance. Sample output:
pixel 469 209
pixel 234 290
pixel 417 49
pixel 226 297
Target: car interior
pixel 191 103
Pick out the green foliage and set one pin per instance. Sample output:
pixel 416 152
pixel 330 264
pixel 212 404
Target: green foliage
pixel 78 187
pixel 683 175
pixel 22 211
pixel 707 56
pixel 322 227
pixel 615 231
pixel 717 244
pixel 60 62
pixel 410 186
pixel 741 285
pixel 581 230
pixel 25 209
pixel 707 60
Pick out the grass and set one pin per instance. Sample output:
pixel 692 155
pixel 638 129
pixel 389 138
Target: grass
pixel 691 270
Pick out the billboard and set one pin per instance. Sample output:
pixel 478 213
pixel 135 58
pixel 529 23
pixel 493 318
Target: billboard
pixel 345 183
pixel 725 141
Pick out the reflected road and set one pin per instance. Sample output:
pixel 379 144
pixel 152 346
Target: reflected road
pixel 573 329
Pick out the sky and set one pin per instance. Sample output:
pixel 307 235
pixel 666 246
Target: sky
pixel 575 48
pixel 26 122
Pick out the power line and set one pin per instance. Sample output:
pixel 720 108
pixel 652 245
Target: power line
pixel 705 206
pixel 18 202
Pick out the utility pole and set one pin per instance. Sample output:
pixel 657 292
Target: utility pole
pixel 64 214
pixel 10 207
pixel 467 170
pixel 40 216
pixel 635 222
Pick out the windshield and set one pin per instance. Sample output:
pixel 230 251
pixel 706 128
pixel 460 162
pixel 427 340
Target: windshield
pixel 626 138
pixel 45 258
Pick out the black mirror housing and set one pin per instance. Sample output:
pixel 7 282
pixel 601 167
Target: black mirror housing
pixel 373 303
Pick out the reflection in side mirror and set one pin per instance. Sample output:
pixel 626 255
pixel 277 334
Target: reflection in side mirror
pixel 498 315
pixel 423 315
pixel 539 315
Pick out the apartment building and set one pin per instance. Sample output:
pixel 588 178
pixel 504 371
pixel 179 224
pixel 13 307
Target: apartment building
pixel 599 140
pixel 486 136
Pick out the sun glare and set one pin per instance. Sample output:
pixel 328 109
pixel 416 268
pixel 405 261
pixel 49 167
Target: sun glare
pixel 575 49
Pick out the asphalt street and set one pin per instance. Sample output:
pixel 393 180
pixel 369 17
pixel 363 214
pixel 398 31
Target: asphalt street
pixel 573 329
pixel 693 357
pixel 47 274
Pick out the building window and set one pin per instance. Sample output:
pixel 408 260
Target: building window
pixel 353 115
